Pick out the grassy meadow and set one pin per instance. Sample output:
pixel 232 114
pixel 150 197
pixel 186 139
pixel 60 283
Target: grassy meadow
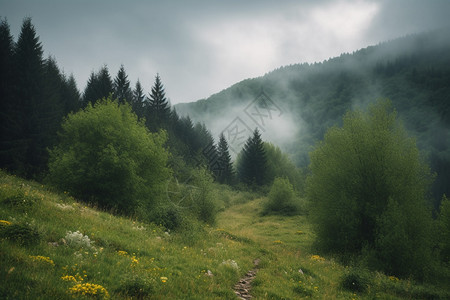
pixel 54 247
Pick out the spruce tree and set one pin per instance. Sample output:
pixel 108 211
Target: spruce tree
pixel 70 95
pixel 99 86
pixel 121 87
pixel 138 99
pixel 6 94
pixel 224 159
pixel 25 141
pixel 253 162
pixel 158 110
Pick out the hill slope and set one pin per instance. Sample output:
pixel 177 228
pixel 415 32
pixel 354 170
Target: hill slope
pixel 305 100
pixel 53 247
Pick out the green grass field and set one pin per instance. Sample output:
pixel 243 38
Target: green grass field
pixel 53 247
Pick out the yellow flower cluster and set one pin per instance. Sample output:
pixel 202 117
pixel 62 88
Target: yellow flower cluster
pixel 4 223
pixel 89 289
pixel 393 278
pixel 277 242
pixel 317 258
pixel 299 232
pixel 42 259
pixel 134 261
pixel 76 278
pixel 122 253
pixel 163 279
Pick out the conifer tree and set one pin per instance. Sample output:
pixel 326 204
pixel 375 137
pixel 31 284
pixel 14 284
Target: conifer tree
pixel 70 95
pixel 99 86
pixel 158 110
pixel 138 99
pixel 121 87
pixel 253 162
pixel 28 95
pixel 224 159
pixel 6 93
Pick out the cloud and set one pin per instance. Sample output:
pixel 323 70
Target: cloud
pixel 202 47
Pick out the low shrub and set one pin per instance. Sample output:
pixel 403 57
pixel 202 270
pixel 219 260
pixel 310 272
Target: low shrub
pixel 281 199
pixel 21 233
pixel 356 280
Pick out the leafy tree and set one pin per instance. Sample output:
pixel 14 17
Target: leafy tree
pixel 107 157
pixel 281 198
pixel 121 87
pixel 158 109
pixel 279 165
pixel 368 189
pixel 444 229
pixel 252 164
pixel 226 174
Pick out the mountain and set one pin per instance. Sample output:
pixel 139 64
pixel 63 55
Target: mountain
pixel 294 105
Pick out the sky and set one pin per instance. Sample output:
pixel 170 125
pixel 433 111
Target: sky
pixel 202 47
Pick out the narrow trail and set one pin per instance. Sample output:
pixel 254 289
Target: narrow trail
pixel 243 287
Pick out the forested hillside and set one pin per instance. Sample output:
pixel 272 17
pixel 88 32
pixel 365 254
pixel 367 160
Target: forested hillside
pixel 413 72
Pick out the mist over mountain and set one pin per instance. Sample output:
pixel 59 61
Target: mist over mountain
pixel 294 105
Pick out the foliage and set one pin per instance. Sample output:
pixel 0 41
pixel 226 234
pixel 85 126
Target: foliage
pixel 226 174
pixel 282 199
pixel 99 86
pixel 367 190
pixel 20 233
pixel 279 165
pixel 157 107
pixel 107 157
pixel 252 164
pixel 444 230
pixel 356 280
pixel 121 87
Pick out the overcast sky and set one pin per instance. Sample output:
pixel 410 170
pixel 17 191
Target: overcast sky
pixel 202 47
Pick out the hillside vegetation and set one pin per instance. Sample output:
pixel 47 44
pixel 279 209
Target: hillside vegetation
pixel 413 72
pixel 54 247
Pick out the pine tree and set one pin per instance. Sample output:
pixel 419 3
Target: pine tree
pixel 99 86
pixel 253 163
pixel 158 110
pixel 121 87
pixel 6 93
pixel 25 145
pixel 224 159
pixel 70 95
pixel 138 99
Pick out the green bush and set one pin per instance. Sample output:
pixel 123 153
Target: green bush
pixel 356 281
pixel 281 198
pixel 444 230
pixel 367 190
pixel 107 157
pixel 20 233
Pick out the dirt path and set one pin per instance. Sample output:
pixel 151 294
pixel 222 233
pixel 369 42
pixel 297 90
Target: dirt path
pixel 243 287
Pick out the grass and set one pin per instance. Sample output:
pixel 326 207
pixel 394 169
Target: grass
pixel 125 258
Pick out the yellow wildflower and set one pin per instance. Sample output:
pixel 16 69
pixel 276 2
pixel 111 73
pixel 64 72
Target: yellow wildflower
pixel 163 279
pixel 317 258
pixel 277 242
pixel 393 278
pixel 89 289
pixel 122 253
pixel 4 223
pixel 42 259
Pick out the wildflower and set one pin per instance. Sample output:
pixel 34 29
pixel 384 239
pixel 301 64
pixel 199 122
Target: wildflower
pixel 69 278
pixel 277 242
pixel 4 223
pixel 134 261
pixel 163 279
pixel 299 232
pixel 42 259
pixel 393 278
pixel 89 289
pixel 122 253
pixel 317 258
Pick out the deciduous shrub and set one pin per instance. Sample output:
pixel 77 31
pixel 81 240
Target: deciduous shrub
pixel 367 189
pixel 281 198
pixel 107 157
